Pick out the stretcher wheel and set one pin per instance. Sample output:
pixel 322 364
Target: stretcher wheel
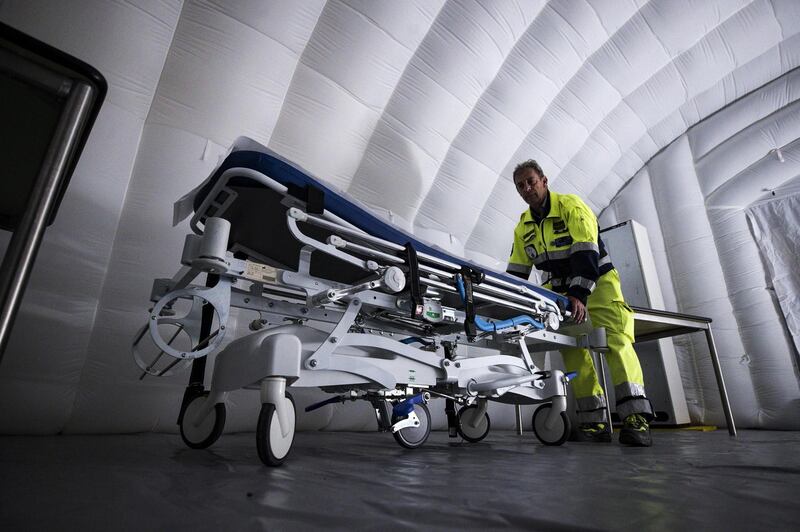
pixel 413 437
pixel 273 446
pixel 554 436
pixel 203 435
pixel 471 429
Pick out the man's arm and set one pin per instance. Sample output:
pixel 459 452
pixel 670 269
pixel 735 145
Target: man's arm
pixel 585 271
pixel 584 252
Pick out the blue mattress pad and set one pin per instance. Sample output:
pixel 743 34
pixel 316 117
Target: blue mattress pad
pixel 336 202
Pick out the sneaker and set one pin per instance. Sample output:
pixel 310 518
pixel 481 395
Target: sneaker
pixel 635 431
pixel 594 432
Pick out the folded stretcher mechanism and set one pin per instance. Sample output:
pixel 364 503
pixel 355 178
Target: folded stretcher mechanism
pixel 346 303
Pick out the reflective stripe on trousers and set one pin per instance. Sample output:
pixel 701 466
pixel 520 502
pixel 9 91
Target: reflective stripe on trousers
pixel 608 309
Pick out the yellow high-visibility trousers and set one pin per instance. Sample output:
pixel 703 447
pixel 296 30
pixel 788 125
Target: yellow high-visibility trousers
pixel 607 308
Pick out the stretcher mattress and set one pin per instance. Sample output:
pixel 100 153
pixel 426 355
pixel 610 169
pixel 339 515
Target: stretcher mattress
pixel 258 214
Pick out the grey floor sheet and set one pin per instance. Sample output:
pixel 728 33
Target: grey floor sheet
pixel 365 481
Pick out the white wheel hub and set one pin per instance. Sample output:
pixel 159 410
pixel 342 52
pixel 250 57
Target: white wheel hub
pixel 278 443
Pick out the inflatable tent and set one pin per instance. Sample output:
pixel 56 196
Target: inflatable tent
pixel 679 114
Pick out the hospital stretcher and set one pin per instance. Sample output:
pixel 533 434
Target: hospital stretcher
pixel 347 303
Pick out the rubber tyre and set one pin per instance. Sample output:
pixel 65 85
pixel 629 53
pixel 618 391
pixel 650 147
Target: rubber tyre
pixel 209 430
pixel 472 434
pixel 413 437
pixel 273 447
pixel 555 436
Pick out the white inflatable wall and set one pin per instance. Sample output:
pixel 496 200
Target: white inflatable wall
pixel 665 112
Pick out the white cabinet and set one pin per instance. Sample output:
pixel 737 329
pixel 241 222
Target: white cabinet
pixel 629 247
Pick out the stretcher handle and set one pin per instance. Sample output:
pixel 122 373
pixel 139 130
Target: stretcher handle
pixel 489 326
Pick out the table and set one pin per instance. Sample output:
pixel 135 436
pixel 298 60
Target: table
pixel 651 324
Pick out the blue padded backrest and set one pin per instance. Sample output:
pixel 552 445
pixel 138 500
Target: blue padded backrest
pixel 338 204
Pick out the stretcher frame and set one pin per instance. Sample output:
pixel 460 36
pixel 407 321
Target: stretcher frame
pixel 358 339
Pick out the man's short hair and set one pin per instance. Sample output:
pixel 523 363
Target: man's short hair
pixel 530 163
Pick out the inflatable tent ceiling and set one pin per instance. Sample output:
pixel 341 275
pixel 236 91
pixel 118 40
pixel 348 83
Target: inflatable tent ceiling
pixel 680 114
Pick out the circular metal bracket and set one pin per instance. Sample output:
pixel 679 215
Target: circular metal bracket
pixel 218 297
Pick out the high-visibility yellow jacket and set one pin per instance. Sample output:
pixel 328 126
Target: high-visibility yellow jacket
pixel 564 243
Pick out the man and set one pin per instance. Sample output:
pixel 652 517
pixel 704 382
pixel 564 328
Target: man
pixel 559 235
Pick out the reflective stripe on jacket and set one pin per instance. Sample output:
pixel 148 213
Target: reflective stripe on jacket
pixel 564 243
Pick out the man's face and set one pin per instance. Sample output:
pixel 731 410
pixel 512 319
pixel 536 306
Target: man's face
pixel 531 186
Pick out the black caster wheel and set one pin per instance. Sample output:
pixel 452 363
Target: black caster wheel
pixel 413 437
pixel 273 446
pixel 556 435
pixel 469 427
pixel 209 430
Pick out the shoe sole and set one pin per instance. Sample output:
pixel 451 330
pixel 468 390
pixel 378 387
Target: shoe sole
pixel 635 441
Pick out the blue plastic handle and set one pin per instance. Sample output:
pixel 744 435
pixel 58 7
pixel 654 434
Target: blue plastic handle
pixel 412 339
pixel 404 408
pixel 494 326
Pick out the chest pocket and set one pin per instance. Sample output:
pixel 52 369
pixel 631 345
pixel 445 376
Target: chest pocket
pixel 561 242
pixel 557 235
pixel 559 227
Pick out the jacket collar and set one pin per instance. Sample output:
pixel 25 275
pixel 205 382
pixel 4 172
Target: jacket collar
pixel 552 207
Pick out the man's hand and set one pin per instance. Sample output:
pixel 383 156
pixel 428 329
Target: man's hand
pixel 578 309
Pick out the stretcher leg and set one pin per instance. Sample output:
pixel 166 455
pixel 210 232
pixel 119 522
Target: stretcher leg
pixel 452 420
pixel 381 407
pixel 197 376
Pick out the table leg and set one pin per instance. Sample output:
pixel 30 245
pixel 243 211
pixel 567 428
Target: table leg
pixel 723 393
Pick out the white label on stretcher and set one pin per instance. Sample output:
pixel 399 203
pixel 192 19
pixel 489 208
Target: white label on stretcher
pixel 260 272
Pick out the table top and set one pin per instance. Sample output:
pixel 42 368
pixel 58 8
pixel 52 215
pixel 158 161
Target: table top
pixel 651 324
